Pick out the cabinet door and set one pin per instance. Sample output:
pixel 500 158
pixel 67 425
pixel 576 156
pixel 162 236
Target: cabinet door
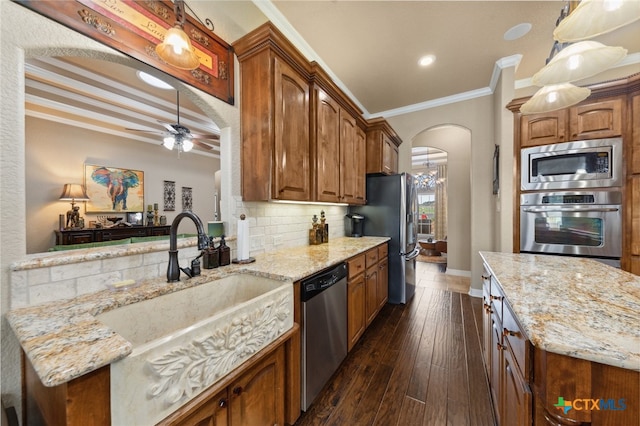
pixel 356 309
pixel 597 120
pixel 348 163
pixel 495 379
pixel 382 292
pixel 214 412
pixel 257 398
pixel 360 167
pixel 634 167
pixel 633 263
pixel 486 320
pixel 371 293
pixel 327 141
pixel 389 156
pixel 517 398
pixel 544 128
pixel 292 174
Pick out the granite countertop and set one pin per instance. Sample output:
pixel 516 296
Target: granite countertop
pixel 63 340
pixel 573 306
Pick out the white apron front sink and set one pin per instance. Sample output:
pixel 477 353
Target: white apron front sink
pixel 184 342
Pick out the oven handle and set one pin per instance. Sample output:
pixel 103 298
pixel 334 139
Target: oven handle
pixel 548 210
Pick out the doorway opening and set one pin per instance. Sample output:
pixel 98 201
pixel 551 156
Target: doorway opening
pixel 429 167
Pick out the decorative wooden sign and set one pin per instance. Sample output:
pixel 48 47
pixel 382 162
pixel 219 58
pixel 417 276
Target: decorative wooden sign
pixel 136 27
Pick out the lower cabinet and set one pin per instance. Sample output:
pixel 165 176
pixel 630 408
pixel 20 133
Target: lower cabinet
pixel 367 290
pixel 257 397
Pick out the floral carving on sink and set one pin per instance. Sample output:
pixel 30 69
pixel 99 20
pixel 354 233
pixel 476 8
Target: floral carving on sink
pixel 185 371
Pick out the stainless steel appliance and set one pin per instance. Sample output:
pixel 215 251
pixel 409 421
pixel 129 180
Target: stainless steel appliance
pixel 578 223
pixel 581 164
pixel 392 211
pixel 324 329
pixel 353 226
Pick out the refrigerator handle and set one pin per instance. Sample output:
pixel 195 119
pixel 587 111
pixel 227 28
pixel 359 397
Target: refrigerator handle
pixel 413 254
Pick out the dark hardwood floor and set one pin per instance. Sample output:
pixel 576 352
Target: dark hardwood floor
pixel 417 364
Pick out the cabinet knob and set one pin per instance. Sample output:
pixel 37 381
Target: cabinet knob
pixel 222 403
pixel 237 390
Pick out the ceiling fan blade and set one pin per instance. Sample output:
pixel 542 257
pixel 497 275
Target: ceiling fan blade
pixel 152 132
pixel 199 136
pixel 202 145
pixel 168 126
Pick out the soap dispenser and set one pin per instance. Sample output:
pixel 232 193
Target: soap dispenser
pixel 225 252
pixel 211 258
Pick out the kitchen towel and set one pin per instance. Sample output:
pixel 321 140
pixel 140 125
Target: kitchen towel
pixel 243 238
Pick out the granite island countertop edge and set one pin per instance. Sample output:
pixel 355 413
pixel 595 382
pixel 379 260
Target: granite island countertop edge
pixel 564 307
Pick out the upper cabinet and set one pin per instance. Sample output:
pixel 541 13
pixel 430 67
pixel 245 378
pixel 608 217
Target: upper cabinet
pixel 382 147
pixel 303 139
pixel 589 120
pixel 274 114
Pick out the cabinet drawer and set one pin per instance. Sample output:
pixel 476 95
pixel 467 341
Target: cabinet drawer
pixel 383 251
pixel 356 265
pixel 515 341
pixel 372 257
pixel 496 297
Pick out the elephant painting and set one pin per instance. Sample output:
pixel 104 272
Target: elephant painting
pixel 118 182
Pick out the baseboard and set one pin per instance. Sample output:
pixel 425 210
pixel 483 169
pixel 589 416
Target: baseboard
pixel 475 292
pixel 458 272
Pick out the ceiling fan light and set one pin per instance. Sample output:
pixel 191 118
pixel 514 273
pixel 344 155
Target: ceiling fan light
pixel 187 145
pixel 592 18
pixel 578 61
pixel 168 142
pixel 176 49
pixel 554 97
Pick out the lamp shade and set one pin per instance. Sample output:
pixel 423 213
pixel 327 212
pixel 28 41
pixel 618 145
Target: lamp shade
pixel 73 192
pixel 595 17
pixel 176 49
pixel 551 98
pixel 578 61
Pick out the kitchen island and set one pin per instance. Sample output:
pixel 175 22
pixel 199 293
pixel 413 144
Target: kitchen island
pixel 64 342
pixel 562 340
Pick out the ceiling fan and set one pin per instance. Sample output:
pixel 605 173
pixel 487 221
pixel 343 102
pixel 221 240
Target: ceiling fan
pixel 178 136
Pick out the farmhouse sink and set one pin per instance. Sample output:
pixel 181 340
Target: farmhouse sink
pixel 185 341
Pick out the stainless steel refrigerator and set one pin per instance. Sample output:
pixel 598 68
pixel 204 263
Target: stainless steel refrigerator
pixel 392 211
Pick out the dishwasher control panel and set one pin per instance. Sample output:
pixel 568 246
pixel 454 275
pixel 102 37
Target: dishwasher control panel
pixel 322 280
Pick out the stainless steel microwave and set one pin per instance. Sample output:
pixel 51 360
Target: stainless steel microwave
pixel 581 164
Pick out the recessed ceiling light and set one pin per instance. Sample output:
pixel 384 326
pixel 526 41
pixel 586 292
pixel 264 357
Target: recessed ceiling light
pixel 153 81
pixel 427 60
pixel 517 31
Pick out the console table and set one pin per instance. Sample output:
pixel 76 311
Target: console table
pixel 96 235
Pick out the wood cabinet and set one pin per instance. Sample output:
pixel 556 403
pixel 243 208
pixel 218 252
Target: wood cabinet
pixel 97 235
pixel 507 352
pixel 631 244
pixel 274 114
pixel 367 290
pixel 340 153
pixel 252 394
pixel 356 316
pixel 588 120
pixel 382 147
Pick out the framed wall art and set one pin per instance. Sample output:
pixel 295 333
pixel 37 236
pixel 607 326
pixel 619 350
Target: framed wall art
pixel 113 190
pixel 187 198
pixel 169 196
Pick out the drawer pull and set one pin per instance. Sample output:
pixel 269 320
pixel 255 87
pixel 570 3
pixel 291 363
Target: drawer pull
pixel 501 347
pixel 496 297
pixel 222 403
pixel 237 390
pixel 487 308
pixel 486 277
pixel 507 332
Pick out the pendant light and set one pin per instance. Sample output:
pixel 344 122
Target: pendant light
pixel 578 61
pixel 592 18
pixel 176 49
pixel 555 97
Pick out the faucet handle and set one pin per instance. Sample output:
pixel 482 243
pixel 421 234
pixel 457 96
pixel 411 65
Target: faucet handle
pixel 203 241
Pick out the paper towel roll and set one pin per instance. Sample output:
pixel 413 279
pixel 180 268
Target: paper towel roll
pixel 243 239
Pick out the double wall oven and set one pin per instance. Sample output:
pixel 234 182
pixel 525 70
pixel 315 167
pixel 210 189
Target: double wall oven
pixel 571 201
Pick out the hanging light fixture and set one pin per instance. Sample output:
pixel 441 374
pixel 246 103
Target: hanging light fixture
pixel 578 61
pixel 176 49
pixel 555 97
pixel 592 18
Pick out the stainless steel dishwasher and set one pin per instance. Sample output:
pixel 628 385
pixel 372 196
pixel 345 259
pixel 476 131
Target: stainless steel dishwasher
pixel 324 329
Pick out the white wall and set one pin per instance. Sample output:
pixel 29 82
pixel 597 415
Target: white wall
pixel 56 154
pixel 476 115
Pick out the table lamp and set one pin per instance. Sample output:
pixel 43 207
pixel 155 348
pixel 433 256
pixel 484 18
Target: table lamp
pixel 73 192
